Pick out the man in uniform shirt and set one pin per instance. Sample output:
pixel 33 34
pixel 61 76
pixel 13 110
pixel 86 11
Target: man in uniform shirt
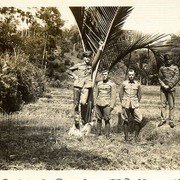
pixel 168 78
pixel 82 84
pixel 130 96
pixel 105 101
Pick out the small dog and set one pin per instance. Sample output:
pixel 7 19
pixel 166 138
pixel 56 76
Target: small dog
pixel 75 132
pixel 83 131
pixel 86 129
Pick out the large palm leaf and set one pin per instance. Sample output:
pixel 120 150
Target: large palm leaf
pixel 98 24
pixel 159 49
pixel 116 50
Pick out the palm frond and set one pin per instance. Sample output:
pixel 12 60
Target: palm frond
pixel 99 24
pixel 124 45
pixel 160 48
pixel 78 13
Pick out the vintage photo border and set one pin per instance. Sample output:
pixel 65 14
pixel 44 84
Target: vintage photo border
pixel 86 174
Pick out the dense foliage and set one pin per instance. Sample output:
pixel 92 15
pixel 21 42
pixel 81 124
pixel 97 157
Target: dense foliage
pixel 20 82
pixel 28 40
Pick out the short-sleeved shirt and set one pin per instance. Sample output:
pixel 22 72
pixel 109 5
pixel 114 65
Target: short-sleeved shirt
pixel 130 94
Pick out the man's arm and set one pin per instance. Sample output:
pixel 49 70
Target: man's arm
pixel 139 93
pixel 121 93
pixel 96 58
pixel 96 93
pixel 71 70
pixel 113 96
pixel 162 84
pixel 175 79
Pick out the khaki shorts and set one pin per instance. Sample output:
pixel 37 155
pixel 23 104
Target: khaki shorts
pixel 103 112
pixel 135 112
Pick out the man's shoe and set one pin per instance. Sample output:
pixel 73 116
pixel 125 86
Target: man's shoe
pixel 137 139
pixel 127 139
pixel 171 124
pixel 77 125
pixel 161 123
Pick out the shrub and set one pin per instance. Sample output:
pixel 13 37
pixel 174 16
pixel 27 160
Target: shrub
pixel 20 82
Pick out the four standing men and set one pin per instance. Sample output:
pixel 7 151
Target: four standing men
pixel 130 96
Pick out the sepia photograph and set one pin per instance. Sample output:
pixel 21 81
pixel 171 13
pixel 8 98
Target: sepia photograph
pixel 90 89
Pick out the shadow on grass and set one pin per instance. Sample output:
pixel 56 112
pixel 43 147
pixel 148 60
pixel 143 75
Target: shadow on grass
pixel 29 147
pixel 119 127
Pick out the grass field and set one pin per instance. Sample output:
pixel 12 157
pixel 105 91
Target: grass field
pixel 37 138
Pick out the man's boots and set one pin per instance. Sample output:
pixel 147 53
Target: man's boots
pixel 107 129
pixel 76 120
pixel 83 113
pixel 171 124
pixel 77 125
pixel 137 127
pixel 99 127
pixel 125 125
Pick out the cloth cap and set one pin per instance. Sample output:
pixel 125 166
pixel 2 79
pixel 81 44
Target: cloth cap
pixel 87 54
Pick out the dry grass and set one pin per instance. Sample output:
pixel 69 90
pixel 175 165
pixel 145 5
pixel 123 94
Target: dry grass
pixel 37 138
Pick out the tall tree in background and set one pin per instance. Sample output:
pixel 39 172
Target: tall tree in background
pixel 71 36
pixel 10 18
pixel 52 24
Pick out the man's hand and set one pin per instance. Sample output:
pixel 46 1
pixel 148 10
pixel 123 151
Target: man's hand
pixel 111 108
pixel 75 77
pixel 101 45
pixel 166 87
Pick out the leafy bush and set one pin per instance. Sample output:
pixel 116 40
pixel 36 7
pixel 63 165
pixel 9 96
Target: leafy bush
pixel 20 82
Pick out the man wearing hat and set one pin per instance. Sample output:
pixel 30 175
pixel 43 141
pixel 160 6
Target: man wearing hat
pixel 82 84
pixel 105 102
pixel 168 79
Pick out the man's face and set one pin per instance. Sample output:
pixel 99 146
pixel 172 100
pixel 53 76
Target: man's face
pixel 105 76
pixel 56 53
pixel 87 60
pixel 168 60
pixel 131 76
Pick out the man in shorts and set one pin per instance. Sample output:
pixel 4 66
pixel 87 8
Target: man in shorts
pixel 105 102
pixel 130 96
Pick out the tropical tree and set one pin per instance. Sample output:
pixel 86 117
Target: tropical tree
pixel 72 35
pixel 105 24
pixel 11 19
pixel 52 24
pixel 126 44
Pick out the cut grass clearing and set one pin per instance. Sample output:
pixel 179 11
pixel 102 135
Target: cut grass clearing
pixel 38 139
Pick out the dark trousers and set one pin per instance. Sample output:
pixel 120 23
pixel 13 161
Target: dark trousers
pixel 84 108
